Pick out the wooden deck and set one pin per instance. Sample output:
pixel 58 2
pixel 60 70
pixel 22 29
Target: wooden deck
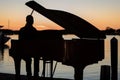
pixel 4 76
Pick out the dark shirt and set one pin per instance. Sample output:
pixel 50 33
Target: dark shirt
pixel 27 33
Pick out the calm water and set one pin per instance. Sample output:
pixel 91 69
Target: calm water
pixel 91 72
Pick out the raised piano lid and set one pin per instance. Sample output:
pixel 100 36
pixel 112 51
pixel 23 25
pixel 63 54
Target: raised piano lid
pixel 70 22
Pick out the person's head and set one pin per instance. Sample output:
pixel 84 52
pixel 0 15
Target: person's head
pixel 29 19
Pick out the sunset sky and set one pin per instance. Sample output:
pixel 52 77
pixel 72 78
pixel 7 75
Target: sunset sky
pixel 100 13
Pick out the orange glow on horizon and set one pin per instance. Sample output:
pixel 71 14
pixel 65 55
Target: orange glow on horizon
pixel 16 25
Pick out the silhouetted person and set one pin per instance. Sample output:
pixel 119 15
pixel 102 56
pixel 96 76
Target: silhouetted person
pixel 27 33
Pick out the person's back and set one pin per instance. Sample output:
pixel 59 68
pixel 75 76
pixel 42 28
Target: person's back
pixel 28 32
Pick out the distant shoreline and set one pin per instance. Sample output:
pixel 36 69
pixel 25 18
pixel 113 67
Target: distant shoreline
pixel 106 32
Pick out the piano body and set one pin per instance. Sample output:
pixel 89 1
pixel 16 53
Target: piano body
pixel 78 53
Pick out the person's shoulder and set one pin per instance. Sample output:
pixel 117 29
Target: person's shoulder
pixel 22 28
pixel 34 28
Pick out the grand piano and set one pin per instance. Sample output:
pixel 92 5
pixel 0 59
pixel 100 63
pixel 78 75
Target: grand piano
pixel 50 45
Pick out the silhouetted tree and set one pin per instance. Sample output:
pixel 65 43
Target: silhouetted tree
pixel 110 31
pixel 118 31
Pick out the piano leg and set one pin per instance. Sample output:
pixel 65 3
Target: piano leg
pixel 17 62
pixel 78 72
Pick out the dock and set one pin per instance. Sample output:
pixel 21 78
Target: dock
pixel 5 76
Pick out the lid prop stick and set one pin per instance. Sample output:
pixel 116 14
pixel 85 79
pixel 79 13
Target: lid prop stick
pixel 32 10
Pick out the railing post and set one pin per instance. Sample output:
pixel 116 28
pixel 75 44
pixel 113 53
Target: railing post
pixel 114 58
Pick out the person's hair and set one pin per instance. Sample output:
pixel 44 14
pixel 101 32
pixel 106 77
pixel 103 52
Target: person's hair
pixel 29 19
